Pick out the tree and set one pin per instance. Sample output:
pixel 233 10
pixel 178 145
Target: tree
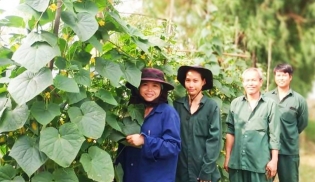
pixel 288 25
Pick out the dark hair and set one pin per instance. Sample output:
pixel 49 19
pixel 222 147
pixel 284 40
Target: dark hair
pixel 285 68
pixel 136 98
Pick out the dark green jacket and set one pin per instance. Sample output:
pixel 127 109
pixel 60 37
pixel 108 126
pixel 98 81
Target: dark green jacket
pixel 201 141
pixel 294 118
pixel 255 133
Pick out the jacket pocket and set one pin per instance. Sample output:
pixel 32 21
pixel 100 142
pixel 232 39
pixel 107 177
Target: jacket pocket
pixel 289 115
pixel 201 128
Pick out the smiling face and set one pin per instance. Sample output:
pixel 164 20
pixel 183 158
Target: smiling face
pixel 150 90
pixel 194 82
pixel 252 82
pixel 283 79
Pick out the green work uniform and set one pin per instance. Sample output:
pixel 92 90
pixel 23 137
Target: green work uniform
pixel 256 132
pixel 294 118
pixel 200 141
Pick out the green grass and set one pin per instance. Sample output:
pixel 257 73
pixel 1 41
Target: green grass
pixel 307 173
pixel 310 130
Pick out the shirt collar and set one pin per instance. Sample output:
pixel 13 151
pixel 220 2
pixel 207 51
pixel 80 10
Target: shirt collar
pixel 261 97
pixel 275 91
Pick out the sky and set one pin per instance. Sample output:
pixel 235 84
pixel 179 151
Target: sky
pixel 8 5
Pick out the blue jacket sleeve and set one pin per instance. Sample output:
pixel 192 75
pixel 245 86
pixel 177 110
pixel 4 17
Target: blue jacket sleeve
pixel 169 143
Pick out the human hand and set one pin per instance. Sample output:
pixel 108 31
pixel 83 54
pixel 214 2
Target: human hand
pixel 225 164
pixel 135 140
pixel 200 180
pixel 271 169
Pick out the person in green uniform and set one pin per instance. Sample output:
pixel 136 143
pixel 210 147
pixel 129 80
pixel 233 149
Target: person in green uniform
pixel 253 133
pixel 294 119
pixel 200 127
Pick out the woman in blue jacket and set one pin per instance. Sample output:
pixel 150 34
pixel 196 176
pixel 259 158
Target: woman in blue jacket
pixel 153 153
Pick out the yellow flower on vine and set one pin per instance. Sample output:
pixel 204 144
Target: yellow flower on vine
pixel 91 74
pixel 80 1
pixel 22 130
pixel 61 121
pixel 65 36
pixel 92 61
pixel 16 46
pixel 101 22
pixel 34 126
pixel 63 72
pixel 53 7
pixel 142 56
pixel 47 96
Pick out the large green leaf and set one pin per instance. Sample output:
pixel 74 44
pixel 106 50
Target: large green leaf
pixel 12 21
pixel 83 24
pixel 45 113
pixel 35 56
pixel 119 173
pixel 76 97
pixel 90 119
pixel 133 32
pixel 65 175
pixel 59 175
pixel 136 36
pixel 83 77
pixel 136 111
pixel 96 43
pixel 217 84
pixel 106 96
pixel 26 153
pixel 117 136
pixel 43 36
pixel 108 69
pixel 43 176
pixel 38 5
pixel 66 84
pixel 8 174
pixel 215 69
pixel 27 85
pixel 130 126
pixel 62 146
pixel 83 57
pixel 5 61
pixel 14 119
pixel 132 74
pixel 5 53
pixel 98 165
pixel 86 6
pixel 143 44
pixel 112 121
pixel 60 62
pixel 5 103
pixel 69 5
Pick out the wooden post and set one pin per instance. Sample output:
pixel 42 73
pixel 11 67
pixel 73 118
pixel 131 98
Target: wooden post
pixel 236 31
pixel 269 62
pixel 169 23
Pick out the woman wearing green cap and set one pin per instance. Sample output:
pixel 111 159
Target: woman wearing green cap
pixel 200 127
